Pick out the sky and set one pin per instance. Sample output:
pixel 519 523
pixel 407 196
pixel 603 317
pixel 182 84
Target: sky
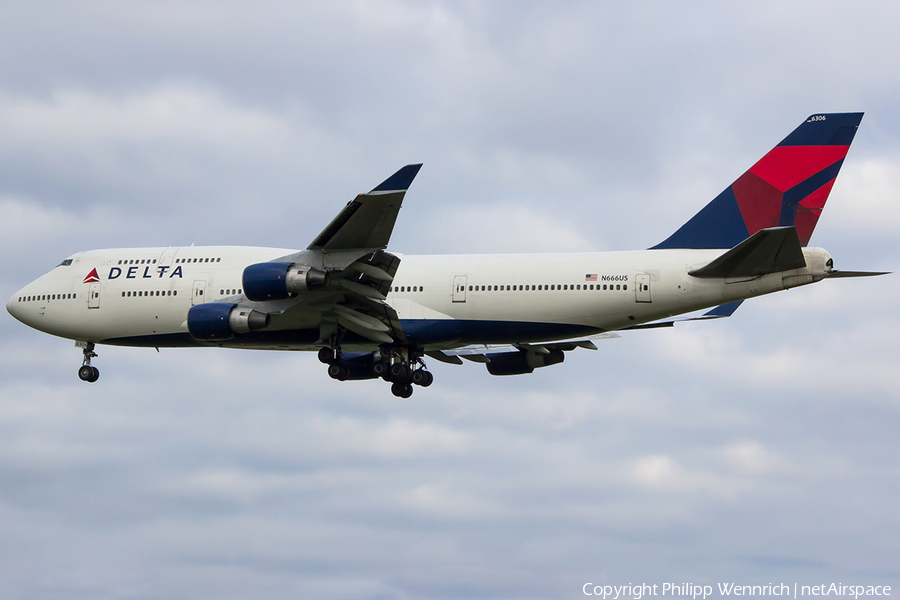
pixel 757 449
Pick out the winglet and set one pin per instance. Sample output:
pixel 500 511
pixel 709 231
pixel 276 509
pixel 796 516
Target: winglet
pixel 399 181
pixel 367 221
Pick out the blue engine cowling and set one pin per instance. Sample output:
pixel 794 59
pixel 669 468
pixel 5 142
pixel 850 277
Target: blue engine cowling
pixel 524 361
pixel 214 321
pixel 277 281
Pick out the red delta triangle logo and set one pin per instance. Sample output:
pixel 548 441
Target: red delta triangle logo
pixel 92 276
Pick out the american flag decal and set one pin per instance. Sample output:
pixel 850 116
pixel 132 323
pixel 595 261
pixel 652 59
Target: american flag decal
pixel 590 277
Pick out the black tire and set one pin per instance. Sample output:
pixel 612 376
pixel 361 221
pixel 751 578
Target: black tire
pixel 379 369
pixel 429 379
pixel 399 373
pixel 418 377
pixel 326 355
pixel 337 371
pixel 401 390
pixel 85 373
pixel 95 375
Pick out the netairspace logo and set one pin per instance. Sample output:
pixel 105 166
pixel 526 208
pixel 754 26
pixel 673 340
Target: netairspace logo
pixel 695 591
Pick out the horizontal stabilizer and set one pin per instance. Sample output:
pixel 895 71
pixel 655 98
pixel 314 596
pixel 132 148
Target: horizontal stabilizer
pixel 771 250
pixel 857 273
pixel 719 312
pixel 723 310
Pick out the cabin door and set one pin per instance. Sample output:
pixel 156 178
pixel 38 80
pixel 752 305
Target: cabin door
pixel 94 295
pixel 199 294
pixel 642 288
pixel 459 288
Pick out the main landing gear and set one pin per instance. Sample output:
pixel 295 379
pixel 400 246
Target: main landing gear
pixel 87 372
pixel 402 367
pixel 406 370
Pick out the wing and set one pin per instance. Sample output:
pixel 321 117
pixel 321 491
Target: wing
pixel 340 282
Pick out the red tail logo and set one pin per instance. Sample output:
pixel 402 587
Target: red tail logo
pixel 92 277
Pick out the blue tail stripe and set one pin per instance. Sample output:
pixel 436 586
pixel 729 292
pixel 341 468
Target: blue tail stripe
pixel 834 129
pixel 793 196
pixel 717 225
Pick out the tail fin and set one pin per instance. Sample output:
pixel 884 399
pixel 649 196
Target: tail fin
pixel 787 187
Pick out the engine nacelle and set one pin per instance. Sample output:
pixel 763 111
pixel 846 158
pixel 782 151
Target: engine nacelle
pixel 277 281
pixel 524 361
pixel 214 321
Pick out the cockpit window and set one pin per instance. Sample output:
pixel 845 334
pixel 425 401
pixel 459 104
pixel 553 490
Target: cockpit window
pixel 65 263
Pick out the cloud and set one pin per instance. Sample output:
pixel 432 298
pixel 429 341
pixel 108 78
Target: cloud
pixel 756 447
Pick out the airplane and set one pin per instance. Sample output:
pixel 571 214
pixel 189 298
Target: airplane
pixel 370 313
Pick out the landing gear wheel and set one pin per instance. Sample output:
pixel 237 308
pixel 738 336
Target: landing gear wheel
pixel 88 373
pixel 85 373
pixel 401 390
pixel 399 373
pixel 422 377
pixel 379 369
pixel 337 371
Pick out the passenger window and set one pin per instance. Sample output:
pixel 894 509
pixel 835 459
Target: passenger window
pixel 624 287
pixel 618 287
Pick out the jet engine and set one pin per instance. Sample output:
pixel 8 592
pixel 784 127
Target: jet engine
pixel 277 281
pixel 523 361
pixel 214 321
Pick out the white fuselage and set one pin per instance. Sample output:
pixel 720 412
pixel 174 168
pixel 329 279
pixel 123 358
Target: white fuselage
pixel 142 296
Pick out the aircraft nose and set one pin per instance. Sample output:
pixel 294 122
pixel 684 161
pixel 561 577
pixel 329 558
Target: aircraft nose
pixel 14 307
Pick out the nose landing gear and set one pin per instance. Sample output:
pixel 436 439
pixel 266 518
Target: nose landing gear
pixel 87 372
